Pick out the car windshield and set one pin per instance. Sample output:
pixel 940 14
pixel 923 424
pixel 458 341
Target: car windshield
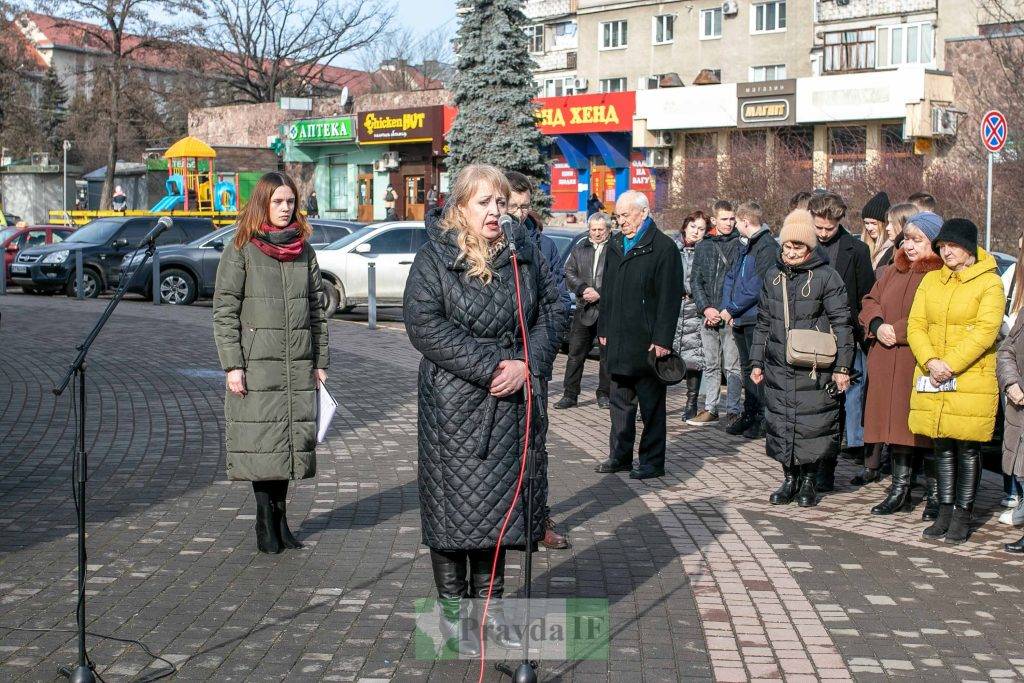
pixel 97 231
pixel 349 239
pixel 224 234
pixel 7 233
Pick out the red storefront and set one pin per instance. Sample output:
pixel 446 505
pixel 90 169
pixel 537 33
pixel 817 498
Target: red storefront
pixel 593 135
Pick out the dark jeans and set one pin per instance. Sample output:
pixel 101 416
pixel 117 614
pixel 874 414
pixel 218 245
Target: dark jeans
pixel 752 400
pixel 625 393
pixel 581 340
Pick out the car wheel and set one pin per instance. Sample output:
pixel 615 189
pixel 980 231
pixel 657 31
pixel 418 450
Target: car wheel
pixel 331 299
pixel 177 287
pixel 343 304
pixel 91 281
pixel 29 290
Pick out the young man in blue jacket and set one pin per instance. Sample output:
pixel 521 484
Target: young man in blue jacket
pixel 740 293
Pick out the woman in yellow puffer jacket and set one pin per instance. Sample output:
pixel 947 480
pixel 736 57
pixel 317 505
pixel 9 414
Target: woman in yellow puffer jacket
pixel 952 331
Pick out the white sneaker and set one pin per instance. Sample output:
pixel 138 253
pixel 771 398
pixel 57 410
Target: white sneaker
pixel 1010 501
pixel 1014 517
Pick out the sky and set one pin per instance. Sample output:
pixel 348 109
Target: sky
pixel 422 16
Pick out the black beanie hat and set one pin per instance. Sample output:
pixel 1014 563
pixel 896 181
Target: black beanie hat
pixel 958 231
pixel 876 207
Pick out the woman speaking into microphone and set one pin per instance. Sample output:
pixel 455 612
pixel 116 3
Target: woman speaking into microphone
pixel 461 314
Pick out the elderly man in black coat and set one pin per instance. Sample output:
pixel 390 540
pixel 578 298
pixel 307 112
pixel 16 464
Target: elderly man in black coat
pixel 642 290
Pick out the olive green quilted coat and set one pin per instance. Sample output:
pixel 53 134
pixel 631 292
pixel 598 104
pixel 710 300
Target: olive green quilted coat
pixel 268 320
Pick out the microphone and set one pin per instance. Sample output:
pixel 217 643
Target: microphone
pixel 506 222
pixel 161 225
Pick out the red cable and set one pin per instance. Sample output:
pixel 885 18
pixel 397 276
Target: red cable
pixel 522 467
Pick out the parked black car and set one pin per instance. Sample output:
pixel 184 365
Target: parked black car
pixel 104 243
pixel 188 271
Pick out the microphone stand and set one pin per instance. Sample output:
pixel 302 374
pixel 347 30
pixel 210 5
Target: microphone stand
pixel 526 672
pixel 83 672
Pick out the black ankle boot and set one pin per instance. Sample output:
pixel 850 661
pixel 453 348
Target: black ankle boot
pixel 1016 547
pixel 959 525
pixel 808 495
pixel 266 533
pixel 942 520
pixel 787 490
pixel 899 493
pixel 278 497
pixel 866 475
pixel 460 634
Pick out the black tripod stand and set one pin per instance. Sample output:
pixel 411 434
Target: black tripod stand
pixel 83 671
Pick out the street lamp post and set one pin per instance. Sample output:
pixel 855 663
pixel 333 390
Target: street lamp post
pixel 66 145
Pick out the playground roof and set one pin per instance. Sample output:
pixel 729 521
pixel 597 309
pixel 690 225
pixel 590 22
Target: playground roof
pixel 190 147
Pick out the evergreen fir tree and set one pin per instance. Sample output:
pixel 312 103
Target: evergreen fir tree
pixel 53 111
pixel 494 91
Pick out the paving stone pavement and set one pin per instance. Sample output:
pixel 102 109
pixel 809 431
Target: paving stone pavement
pixel 704 579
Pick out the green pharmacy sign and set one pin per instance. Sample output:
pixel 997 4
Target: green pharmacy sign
pixel 319 131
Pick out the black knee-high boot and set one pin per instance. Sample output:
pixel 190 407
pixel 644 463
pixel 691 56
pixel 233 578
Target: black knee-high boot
pixel 899 492
pixel 692 394
pixel 501 631
pixel 266 533
pixel 279 495
pixel 931 485
pixel 945 474
pixel 460 635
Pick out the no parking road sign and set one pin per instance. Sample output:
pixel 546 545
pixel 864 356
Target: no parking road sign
pixel 993 130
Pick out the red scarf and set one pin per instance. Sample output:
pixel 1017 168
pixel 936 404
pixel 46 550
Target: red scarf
pixel 283 244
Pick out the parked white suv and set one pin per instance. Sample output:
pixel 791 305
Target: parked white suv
pixel 344 264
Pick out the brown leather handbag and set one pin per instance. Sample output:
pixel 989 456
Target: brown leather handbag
pixel 807 348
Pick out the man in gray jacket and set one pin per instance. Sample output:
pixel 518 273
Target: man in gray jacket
pixel 712 259
pixel 583 273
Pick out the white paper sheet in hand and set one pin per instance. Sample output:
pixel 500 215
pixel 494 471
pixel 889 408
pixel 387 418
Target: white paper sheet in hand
pixel 326 405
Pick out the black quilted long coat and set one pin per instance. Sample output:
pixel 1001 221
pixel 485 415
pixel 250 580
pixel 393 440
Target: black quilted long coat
pixel 470 443
pixel 801 416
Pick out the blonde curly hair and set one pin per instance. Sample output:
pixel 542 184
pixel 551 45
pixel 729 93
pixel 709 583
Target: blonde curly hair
pixel 472 247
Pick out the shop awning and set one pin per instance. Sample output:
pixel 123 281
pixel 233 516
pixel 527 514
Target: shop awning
pixel 613 148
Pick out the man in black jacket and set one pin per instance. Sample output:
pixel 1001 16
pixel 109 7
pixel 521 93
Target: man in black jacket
pixel 641 293
pixel 851 258
pixel 583 274
pixel 712 259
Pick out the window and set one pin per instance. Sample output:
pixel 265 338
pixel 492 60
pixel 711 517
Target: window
pixel 905 44
pixel 36 238
pixel 612 35
pixel 339 186
pixel 772 72
pixel 396 241
pixel 613 84
pixel 766 17
pixel 535 38
pixel 711 23
pixel 564 35
pixel 56 236
pixel 135 230
pixel 849 50
pixel 556 87
pixel 650 82
pixel 664 28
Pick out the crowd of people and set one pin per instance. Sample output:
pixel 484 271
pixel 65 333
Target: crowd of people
pixel 896 348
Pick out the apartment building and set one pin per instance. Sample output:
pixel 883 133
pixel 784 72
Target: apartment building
pixel 640 45
pixel 553 42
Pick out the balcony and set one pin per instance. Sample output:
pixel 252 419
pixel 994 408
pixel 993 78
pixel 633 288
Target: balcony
pixel 561 60
pixel 829 10
pixel 542 9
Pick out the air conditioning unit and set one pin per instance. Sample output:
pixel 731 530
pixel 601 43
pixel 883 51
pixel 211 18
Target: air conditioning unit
pixel 579 84
pixel 40 159
pixel 658 158
pixel 380 166
pixel 665 138
pixel 944 121
pixel 391 159
pixel 730 8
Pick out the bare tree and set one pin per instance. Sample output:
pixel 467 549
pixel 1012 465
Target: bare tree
pixel 402 61
pixel 266 49
pixel 19 133
pixel 121 32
